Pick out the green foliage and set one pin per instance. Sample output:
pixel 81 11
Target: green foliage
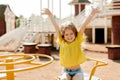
pixel 18 20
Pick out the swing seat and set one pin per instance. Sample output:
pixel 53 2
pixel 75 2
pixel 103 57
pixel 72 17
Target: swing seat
pixel 90 76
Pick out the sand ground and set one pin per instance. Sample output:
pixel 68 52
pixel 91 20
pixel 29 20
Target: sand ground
pixel 51 71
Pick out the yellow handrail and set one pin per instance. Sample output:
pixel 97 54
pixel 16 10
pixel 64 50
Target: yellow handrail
pixel 99 63
pixel 9 63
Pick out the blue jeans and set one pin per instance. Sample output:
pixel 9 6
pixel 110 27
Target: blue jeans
pixel 73 72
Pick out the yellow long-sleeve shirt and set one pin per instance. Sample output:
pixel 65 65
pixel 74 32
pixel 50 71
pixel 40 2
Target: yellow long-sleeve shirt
pixel 71 54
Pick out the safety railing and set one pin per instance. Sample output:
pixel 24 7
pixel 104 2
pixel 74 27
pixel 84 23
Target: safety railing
pixel 98 63
pixel 9 61
pixel 110 7
pixel 113 5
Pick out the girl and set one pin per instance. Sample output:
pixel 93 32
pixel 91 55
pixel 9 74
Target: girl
pixel 70 40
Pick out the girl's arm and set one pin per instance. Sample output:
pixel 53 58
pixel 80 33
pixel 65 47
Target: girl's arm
pixel 47 12
pixel 88 20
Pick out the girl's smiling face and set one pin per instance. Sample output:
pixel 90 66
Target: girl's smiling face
pixel 69 35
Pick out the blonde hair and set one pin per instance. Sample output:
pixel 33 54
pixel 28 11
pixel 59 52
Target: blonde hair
pixel 68 25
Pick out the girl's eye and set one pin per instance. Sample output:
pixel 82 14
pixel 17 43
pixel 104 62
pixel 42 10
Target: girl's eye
pixel 71 33
pixel 66 34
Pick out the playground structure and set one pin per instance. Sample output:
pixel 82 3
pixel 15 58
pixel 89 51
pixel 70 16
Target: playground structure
pixel 11 60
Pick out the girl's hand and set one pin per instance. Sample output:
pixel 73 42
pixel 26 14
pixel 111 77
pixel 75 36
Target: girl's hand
pixel 46 11
pixel 96 10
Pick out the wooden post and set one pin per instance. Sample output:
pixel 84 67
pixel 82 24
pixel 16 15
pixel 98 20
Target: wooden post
pixel 114 50
pixel 116 30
